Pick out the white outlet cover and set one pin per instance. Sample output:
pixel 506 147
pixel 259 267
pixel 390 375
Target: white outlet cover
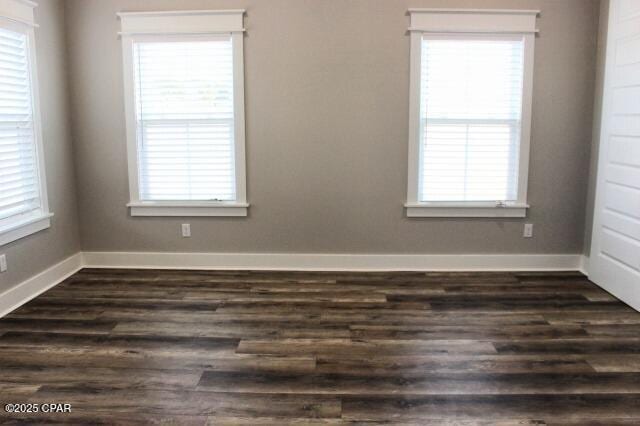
pixel 186 230
pixel 3 263
pixel 528 230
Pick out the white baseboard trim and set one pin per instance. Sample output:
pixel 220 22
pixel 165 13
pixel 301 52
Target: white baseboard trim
pixel 335 262
pixel 584 265
pixel 20 294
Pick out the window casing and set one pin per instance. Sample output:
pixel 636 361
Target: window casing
pixel 470 112
pixel 24 207
pixel 184 104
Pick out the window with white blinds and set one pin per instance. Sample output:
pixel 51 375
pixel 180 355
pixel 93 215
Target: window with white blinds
pixel 470 103
pixel 470 118
pixel 184 106
pixel 20 193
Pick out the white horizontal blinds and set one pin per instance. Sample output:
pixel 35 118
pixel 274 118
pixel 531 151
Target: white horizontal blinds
pixel 19 180
pixel 471 105
pixel 185 119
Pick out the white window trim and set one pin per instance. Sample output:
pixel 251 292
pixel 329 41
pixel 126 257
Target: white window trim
pixel 473 22
pixel 144 25
pixel 17 15
pixel 167 208
pixel 24 228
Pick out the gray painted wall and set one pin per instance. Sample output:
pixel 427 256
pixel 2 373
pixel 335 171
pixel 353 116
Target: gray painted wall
pixel 32 254
pixel 326 115
pixel 326 89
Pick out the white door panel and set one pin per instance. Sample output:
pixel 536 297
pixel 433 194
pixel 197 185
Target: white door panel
pixel 615 249
pixel 622 199
pixel 629 74
pixel 629 7
pixel 621 248
pixel 624 150
pixel 625 125
pixel 628 51
pixel 624 224
pixel 625 100
pixel 624 175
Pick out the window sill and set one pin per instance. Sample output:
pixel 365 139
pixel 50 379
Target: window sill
pixel 465 210
pixel 188 209
pixel 24 228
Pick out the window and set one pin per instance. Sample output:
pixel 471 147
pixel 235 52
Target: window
pixel 470 112
pixel 185 113
pixel 23 196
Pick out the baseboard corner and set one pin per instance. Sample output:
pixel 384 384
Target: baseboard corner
pixel 584 264
pixel 23 292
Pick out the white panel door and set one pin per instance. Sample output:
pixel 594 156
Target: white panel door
pixel 615 250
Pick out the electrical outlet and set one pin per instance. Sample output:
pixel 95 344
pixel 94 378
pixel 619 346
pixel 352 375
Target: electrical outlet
pixel 186 230
pixel 528 230
pixel 3 263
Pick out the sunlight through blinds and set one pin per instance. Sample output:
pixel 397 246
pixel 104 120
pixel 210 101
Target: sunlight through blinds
pixel 471 105
pixel 185 119
pixel 19 180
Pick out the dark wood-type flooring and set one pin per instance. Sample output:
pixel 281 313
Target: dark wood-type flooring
pixel 255 348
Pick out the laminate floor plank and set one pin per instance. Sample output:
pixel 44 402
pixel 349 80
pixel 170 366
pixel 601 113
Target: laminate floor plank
pixel 288 297
pixel 104 419
pixel 617 363
pixel 325 308
pixel 138 347
pixel 126 303
pixel 246 286
pixel 120 315
pixel 592 318
pixel 35 313
pixel 613 331
pixel 390 366
pixel 576 346
pixel 111 378
pixel 150 345
pixel 362 348
pixel 234 421
pixel 273 421
pixel 491 333
pixel 190 403
pixel 57 325
pixel 454 408
pixel 166 360
pixel 428 319
pixel 23 389
pixel 233 330
pixel 423 384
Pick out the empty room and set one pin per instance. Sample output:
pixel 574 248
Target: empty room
pixel 320 212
